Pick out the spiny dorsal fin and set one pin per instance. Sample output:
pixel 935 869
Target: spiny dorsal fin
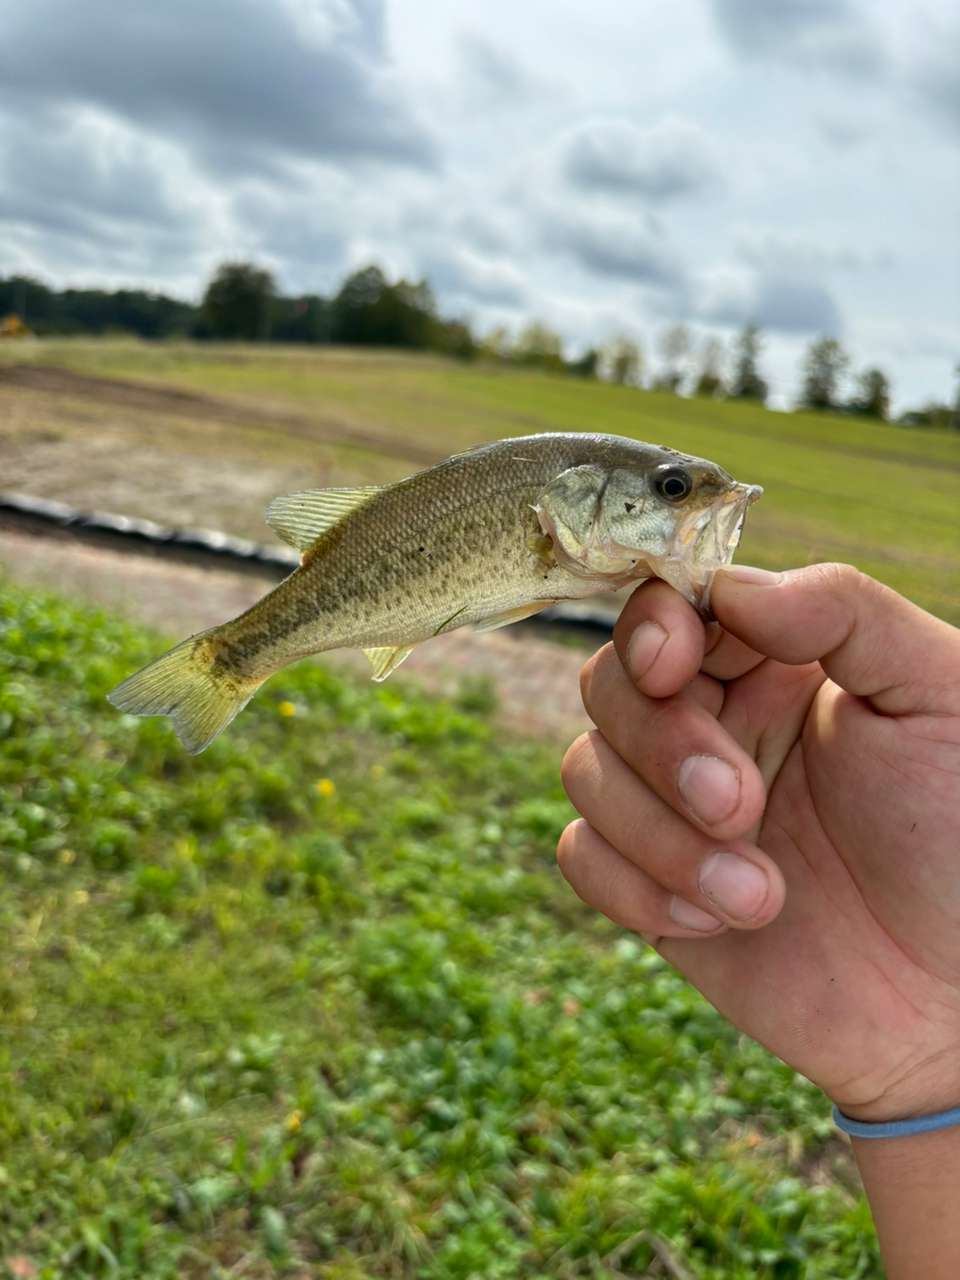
pixel 300 518
pixel 473 448
pixel 387 659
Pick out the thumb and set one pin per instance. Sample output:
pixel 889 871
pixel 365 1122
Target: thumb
pixel 870 641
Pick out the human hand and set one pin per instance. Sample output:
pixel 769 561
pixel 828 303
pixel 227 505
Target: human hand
pixel 774 802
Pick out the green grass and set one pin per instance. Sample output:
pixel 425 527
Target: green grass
pixel 318 1004
pixel 882 497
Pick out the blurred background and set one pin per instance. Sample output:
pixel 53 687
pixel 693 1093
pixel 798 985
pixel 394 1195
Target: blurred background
pixel 316 1003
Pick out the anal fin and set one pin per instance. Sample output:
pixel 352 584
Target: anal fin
pixel 387 659
pixel 511 615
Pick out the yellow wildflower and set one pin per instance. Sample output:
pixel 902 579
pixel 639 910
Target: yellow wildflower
pixel 287 709
pixel 326 787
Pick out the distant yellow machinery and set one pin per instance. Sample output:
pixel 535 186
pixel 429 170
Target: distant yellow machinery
pixel 12 326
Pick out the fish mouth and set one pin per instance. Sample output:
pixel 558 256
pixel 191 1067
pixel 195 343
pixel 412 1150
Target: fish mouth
pixel 705 542
pixel 711 537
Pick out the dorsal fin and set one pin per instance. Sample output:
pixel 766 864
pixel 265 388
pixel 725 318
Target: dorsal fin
pixel 300 518
pixel 473 448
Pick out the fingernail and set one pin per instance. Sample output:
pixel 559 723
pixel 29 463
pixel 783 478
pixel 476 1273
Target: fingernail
pixel 751 576
pixel 737 887
pixel 643 647
pixel 687 916
pixel 710 786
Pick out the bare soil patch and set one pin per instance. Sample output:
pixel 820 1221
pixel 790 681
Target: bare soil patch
pixel 159 454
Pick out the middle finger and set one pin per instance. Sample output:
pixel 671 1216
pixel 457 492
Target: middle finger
pixel 677 746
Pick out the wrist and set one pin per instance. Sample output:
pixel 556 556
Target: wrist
pixel 903 1128
pixel 919 1095
pixel 911 1183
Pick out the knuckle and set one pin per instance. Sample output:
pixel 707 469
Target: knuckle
pixel 839 578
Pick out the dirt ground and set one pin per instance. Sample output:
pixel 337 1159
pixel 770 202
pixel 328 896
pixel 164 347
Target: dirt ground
pixel 210 463
pixel 536 680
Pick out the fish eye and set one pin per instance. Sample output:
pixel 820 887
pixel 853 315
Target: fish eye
pixel 673 483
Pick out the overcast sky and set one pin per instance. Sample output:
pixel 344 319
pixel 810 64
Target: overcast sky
pixel 606 167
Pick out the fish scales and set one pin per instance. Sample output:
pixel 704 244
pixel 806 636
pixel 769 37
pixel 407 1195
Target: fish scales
pixel 481 539
pixel 345 581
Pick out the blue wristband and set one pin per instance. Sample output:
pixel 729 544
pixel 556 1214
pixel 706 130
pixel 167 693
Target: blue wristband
pixel 895 1128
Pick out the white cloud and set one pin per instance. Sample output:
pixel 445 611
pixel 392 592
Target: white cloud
pixel 790 253
pixel 813 34
pixel 613 244
pixel 780 302
pixel 467 278
pixel 672 159
pixel 493 79
pixel 234 80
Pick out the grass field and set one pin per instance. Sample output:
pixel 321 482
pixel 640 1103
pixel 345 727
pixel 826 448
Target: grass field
pixel 884 498
pixel 318 1004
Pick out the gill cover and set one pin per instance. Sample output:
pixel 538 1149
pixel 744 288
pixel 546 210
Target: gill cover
pixel 604 522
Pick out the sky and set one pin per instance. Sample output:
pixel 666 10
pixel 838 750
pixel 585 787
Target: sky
pixel 606 168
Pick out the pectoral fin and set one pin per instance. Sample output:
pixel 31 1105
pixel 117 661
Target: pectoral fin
pixel 511 615
pixel 387 659
pixel 301 518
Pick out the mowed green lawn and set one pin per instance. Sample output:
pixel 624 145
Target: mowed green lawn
pixel 882 497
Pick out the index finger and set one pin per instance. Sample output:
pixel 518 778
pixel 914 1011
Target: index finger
pixel 662 643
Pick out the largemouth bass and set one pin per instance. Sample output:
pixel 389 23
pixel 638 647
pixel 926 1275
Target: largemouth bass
pixel 483 539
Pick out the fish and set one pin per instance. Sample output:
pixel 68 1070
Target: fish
pixel 489 536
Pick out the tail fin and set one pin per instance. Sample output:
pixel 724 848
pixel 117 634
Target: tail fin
pixel 184 685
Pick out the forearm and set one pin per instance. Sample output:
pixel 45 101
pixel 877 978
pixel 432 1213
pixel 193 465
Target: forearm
pixel 913 1187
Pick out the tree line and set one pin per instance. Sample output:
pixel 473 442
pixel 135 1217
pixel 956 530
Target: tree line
pixel 241 302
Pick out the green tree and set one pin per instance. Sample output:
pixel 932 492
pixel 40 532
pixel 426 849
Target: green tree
pixel 872 399
pixel 498 344
pixel 540 347
pixel 586 365
pixel 675 344
pixel 303 319
pixel 455 338
pixel 746 382
pixel 824 365
pixel 45 311
pixel 238 302
pixel 710 383
pixel 621 361
pixel 369 311
pixel 933 414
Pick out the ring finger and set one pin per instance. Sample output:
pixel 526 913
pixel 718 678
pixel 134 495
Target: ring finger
pixel 731 880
